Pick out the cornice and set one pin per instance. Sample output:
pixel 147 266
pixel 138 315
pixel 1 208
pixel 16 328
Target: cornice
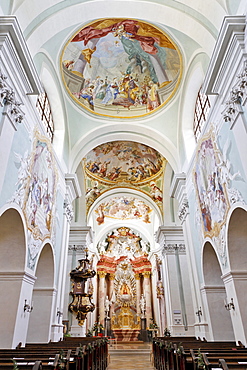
pixel 12 38
pixel 217 66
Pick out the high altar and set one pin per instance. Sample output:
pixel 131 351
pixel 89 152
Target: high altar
pixel 124 277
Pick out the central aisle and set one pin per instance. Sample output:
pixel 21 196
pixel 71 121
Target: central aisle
pixel 130 356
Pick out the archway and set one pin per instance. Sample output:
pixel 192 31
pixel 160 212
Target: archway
pixel 40 319
pixel 220 324
pixel 12 267
pixel 236 278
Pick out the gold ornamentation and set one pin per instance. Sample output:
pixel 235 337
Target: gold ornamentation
pixel 146 274
pixel 111 276
pixel 102 274
pixel 126 319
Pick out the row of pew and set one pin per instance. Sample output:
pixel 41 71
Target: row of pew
pixel 190 353
pixel 72 353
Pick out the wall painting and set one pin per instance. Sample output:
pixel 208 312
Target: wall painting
pixel 210 187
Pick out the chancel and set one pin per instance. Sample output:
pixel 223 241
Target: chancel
pixel 123 187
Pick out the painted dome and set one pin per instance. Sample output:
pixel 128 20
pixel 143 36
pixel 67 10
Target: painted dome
pixel 121 67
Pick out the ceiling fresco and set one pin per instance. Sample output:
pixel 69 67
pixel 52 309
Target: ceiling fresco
pixel 123 242
pixel 121 67
pixel 123 208
pixel 123 160
pixel 123 164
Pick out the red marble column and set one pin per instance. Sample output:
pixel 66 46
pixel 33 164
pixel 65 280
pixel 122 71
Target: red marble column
pixel 147 294
pixel 111 290
pixel 101 302
pixel 138 294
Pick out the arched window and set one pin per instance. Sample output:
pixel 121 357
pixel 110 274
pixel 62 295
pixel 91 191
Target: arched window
pixel 201 111
pixel 44 110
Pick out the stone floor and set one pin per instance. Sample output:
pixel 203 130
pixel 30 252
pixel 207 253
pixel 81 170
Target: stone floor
pixel 130 356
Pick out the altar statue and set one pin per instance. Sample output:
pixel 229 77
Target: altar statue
pixel 142 305
pixel 107 306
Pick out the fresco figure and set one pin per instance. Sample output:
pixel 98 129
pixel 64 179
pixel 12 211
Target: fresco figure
pixel 132 61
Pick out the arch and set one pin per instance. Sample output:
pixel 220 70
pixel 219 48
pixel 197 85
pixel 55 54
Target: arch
pixel 125 132
pixel 12 245
pixel 115 192
pixel 12 267
pixel 236 276
pixel 237 238
pixel 39 329
pixel 220 324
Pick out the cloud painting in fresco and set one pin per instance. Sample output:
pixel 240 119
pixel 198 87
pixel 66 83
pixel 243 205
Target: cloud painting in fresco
pixel 121 67
pixel 118 160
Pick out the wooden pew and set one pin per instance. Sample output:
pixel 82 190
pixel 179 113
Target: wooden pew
pixel 74 353
pixel 229 362
pixel 183 354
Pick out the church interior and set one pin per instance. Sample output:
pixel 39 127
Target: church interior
pixel 123 156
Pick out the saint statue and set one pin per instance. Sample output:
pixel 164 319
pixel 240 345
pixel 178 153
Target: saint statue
pixel 142 305
pixel 107 306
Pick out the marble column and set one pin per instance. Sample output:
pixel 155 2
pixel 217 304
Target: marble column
pixel 111 291
pixel 101 301
pixel 147 294
pixel 138 293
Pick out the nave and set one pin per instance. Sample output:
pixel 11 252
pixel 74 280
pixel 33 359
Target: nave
pixel 123 130
pixel 128 356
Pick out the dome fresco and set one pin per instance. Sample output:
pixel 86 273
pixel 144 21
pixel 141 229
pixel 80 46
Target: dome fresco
pixel 121 67
pixel 123 160
pixel 125 164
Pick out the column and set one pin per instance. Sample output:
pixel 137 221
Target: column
pixel 57 326
pixel 101 301
pixel 72 192
pixel 147 294
pixel 79 240
pixel 178 191
pixel 138 293
pixel 111 291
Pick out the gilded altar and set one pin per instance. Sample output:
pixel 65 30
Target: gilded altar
pixel 125 319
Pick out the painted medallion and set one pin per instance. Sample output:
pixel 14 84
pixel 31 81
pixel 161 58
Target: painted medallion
pixel 121 67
